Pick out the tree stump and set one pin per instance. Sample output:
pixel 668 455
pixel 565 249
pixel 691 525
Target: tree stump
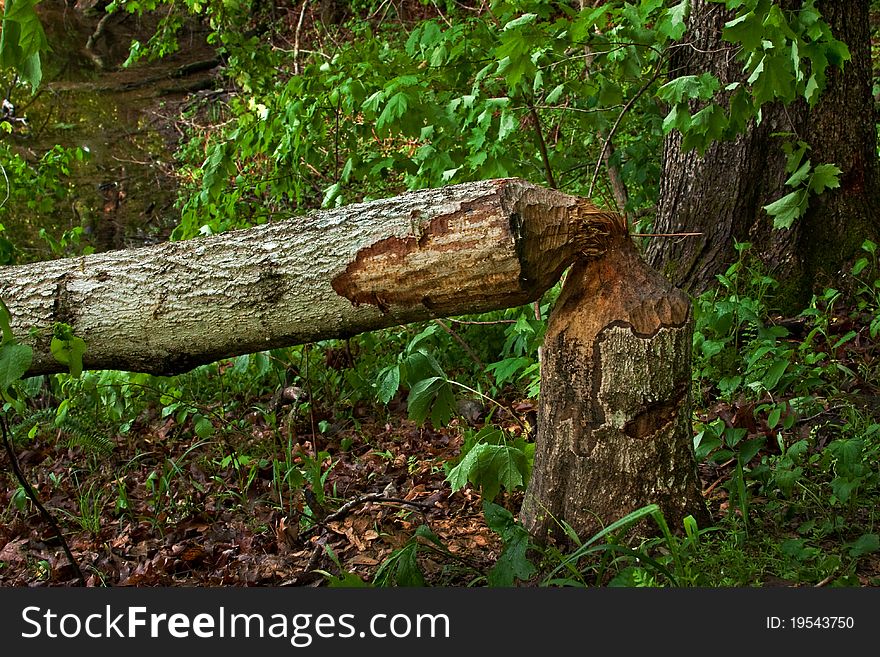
pixel 614 426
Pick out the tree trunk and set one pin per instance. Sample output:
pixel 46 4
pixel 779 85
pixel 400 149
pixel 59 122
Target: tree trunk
pixel 164 309
pixel 614 430
pixel 722 193
pixel 614 426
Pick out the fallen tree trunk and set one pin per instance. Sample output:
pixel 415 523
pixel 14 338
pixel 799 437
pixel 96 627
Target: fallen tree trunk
pixel 164 309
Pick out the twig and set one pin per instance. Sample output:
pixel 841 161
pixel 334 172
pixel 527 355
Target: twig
pixel 33 498
pixel 302 14
pixel 542 147
pixel 537 307
pixel 824 581
pixel 307 352
pixel 499 404
pixel 568 108
pixel 618 186
pixel 8 187
pixel 440 12
pixel 336 140
pixel 830 409
pixel 464 345
pixel 626 108
pixel 317 553
pixel 346 508
pixel 90 43
pixel 667 234
pixel 496 321
pixel 713 486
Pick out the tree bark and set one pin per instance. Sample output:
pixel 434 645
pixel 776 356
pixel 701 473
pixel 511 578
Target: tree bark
pixel 722 193
pixel 614 424
pixel 614 430
pixel 165 309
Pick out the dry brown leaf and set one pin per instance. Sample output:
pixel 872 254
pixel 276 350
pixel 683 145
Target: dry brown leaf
pixel 362 560
pixel 14 551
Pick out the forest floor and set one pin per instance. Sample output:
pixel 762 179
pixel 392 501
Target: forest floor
pixel 160 506
pixel 220 522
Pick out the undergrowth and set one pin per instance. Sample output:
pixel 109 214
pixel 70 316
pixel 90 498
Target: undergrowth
pixel 786 437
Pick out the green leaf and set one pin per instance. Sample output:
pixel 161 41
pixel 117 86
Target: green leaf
pixel 389 384
pixel 674 22
pixel 733 435
pixel 788 208
pixel 69 352
pixel 774 373
pixel 679 118
pixel 747 449
pixel 491 467
pixel 433 396
pixel 555 94
pixel 506 125
pixel 812 90
pixel 786 479
pixel 711 121
pixel 837 53
pixel 825 176
pixel 845 338
pixel 843 487
pixel 525 19
pixel 215 171
pixel 30 69
pixel 513 563
pixel 746 30
pixel 458 476
pixel 401 568
pixel 864 544
pixel 773 417
pixel 203 427
pixel 443 408
pixel 689 87
pixel 408 572
pixel 771 79
pixel 22 40
pixel 800 175
pixel 859 266
pixel 394 109
pixel 15 360
pixel 331 194
pixel 506 369
pixel 728 384
pixel 423 531
pixel 420 365
pixel 847 451
pixel 5 324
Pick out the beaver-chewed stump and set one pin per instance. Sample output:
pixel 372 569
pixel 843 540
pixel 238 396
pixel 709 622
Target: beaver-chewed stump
pixel 614 428
pixel 614 424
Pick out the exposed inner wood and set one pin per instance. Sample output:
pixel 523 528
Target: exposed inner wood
pixel 164 309
pixel 614 428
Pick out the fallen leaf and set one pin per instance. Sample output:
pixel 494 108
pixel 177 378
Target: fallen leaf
pixel 14 551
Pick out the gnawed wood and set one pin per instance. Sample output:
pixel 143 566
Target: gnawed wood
pixel 164 309
pixel 614 426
